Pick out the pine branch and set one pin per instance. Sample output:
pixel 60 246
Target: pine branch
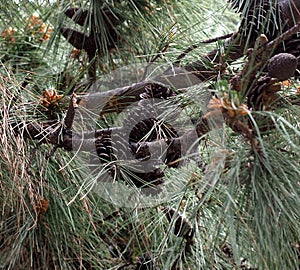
pixel 78 15
pixel 63 138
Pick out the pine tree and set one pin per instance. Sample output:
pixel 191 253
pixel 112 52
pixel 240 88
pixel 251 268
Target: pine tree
pixel 149 134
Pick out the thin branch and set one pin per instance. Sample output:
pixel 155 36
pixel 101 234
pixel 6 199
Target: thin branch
pixel 195 46
pixel 69 119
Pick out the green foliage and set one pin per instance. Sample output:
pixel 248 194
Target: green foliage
pixel 51 218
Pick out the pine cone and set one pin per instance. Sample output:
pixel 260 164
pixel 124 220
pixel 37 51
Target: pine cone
pixel 282 66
